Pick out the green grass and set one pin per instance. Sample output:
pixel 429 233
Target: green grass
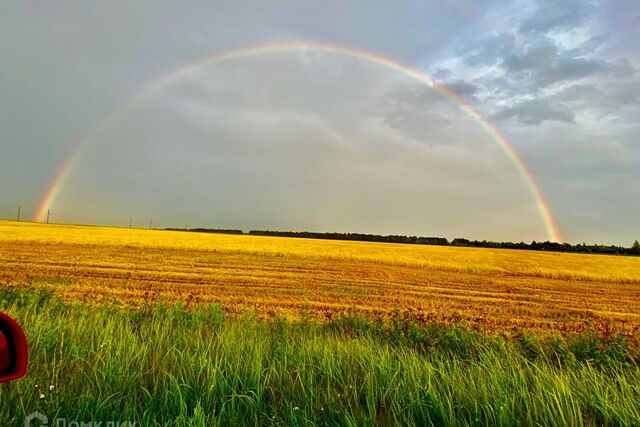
pixel 167 365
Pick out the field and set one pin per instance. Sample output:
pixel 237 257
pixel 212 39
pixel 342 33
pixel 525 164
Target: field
pixel 160 327
pixel 490 290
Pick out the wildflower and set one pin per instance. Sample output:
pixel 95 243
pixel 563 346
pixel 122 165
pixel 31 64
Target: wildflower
pixel 41 396
pixel 295 408
pixel 51 387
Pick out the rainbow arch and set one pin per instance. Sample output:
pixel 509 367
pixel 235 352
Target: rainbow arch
pixel 48 198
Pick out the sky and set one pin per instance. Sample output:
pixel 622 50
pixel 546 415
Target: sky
pixel 305 139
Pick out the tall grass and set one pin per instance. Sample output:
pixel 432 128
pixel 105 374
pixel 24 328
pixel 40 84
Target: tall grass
pixel 167 365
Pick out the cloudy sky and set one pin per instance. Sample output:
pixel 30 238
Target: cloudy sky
pixel 313 140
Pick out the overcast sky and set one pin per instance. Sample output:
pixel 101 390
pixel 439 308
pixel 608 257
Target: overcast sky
pixel 306 140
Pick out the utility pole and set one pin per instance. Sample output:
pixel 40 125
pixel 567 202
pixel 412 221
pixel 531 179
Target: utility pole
pixel 150 225
pixel 48 212
pixel 19 207
pixel 130 221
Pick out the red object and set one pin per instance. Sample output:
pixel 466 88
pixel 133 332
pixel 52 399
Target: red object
pixel 13 350
pixel 5 356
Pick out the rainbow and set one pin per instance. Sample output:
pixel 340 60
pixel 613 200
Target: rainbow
pixel 48 199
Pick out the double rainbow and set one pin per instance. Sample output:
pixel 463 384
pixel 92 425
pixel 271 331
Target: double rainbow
pixel 48 199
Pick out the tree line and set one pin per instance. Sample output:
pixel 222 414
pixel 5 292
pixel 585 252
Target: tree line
pixel 634 249
pixel 208 230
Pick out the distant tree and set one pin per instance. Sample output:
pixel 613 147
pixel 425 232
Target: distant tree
pixel 635 248
pixel 460 242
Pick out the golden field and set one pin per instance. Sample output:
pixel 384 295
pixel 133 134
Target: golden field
pixel 494 290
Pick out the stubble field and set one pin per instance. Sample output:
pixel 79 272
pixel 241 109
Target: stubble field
pixel 491 290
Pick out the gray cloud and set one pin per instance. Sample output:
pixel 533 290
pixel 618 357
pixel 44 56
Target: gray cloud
pixel 557 16
pixel 545 64
pixel 424 114
pixel 491 50
pixel 561 80
pixel 546 67
pixel 537 111
pixel 609 98
pixel 462 88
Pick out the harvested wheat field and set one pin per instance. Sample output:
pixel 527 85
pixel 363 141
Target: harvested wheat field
pixel 490 290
